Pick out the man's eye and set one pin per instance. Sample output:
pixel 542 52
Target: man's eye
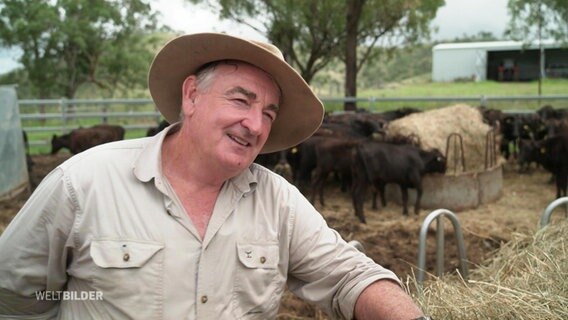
pixel 270 115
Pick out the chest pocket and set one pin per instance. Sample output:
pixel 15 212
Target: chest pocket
pixel 256 281
pixel 130 274
pixel 123 253
pixel 255 256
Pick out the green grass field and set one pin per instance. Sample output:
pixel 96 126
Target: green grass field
pixel 487 88
pixel 411 88
pixel 421 87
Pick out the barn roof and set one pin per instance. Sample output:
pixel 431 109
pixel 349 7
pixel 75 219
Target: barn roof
pixel 495 45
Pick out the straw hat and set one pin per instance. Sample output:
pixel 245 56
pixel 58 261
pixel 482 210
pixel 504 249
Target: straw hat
pixel 300 114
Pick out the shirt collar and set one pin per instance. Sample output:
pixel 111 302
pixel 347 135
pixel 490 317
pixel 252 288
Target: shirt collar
pixel 149 163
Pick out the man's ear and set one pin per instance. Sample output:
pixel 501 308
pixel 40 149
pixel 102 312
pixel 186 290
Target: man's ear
pixel 189 92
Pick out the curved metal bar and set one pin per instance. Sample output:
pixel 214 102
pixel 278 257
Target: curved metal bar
pixel 457 140
pixel 490 156
pixel 438 214
pixel 545 218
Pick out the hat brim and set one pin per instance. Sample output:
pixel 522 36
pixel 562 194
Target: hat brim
pixel 300 114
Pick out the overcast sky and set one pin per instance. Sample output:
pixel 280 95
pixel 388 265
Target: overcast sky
pixel 454 19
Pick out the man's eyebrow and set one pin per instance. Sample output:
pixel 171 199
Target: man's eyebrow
pixel 252 96
pixel 248 94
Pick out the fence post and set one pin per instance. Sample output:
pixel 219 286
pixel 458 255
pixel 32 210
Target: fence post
pixel 63 108
pixel 372 103
pixel 483 101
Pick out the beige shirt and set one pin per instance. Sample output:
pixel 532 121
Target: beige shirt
pixel 106 228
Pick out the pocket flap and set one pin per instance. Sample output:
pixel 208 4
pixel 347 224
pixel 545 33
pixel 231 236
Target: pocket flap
pixel 123 253
pixel 264 256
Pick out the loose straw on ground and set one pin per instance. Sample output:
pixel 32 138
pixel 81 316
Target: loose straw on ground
pixel 526 279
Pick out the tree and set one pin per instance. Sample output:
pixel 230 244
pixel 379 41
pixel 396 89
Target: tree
pixel 391 22
pixel 308 44
pixel 68 43
pixel 313 33
pixel 533 21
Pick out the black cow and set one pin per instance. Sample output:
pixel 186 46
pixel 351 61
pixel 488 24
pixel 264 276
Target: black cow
pixel 520 126
pixel 154 130
pixel 492 117
pixel 278 162
pixel 358 123
pixel 526 155
pixel 333 155
pixel 548 112
pixel 556 127
pixel 304 155
pixel 552 154
pixel 379 163
pixel 305 160
pixel 81 139
pixel 396 114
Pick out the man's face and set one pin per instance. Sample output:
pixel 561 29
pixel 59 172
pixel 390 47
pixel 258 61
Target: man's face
pixel 230 118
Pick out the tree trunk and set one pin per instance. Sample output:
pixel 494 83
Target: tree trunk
pixel 354 8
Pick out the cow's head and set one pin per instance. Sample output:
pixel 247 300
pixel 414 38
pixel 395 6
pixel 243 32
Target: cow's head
pixel 58 143
pixel 435 162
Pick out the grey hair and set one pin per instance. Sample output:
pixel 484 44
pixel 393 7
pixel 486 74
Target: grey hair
pixel 207 73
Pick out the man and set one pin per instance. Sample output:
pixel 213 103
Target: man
pixel 182 224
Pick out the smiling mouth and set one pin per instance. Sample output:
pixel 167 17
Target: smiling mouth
pixel 239 141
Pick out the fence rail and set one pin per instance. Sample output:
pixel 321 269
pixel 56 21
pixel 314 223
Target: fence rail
pixel 62 115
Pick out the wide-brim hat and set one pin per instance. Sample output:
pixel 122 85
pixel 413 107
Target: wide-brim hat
pixel 300 113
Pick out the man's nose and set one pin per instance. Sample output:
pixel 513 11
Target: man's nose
pixel 253 122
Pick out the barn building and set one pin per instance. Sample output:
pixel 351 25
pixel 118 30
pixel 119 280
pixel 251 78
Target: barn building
pixel 498 61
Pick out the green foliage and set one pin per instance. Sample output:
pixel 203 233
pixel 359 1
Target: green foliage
pixel 397 65
pixel 307 32
pixel 314 33
pixel 532 20
pixel 69 43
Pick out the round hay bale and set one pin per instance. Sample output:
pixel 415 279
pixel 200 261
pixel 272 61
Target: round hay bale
pixel 435 126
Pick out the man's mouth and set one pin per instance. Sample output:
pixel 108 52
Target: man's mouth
pixel 238 140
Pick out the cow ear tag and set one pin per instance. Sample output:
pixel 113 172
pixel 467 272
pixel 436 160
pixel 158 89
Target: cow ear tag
pixel 542 150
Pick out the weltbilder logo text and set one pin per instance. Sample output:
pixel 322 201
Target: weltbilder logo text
pixel 68 295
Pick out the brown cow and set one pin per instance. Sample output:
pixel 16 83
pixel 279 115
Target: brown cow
pixel 81 139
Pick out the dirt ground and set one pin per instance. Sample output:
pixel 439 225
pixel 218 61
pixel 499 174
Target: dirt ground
pixel 390 238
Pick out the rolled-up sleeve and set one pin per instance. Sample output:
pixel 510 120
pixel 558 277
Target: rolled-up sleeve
pixel 35 248
pixel 324 269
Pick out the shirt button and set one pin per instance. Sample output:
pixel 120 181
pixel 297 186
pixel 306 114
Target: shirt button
pixel 262 259
pixel 204 299
pixel 126 257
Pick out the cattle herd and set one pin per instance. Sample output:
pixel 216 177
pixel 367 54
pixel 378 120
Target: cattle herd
pixel 353 149
pixel 540 138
